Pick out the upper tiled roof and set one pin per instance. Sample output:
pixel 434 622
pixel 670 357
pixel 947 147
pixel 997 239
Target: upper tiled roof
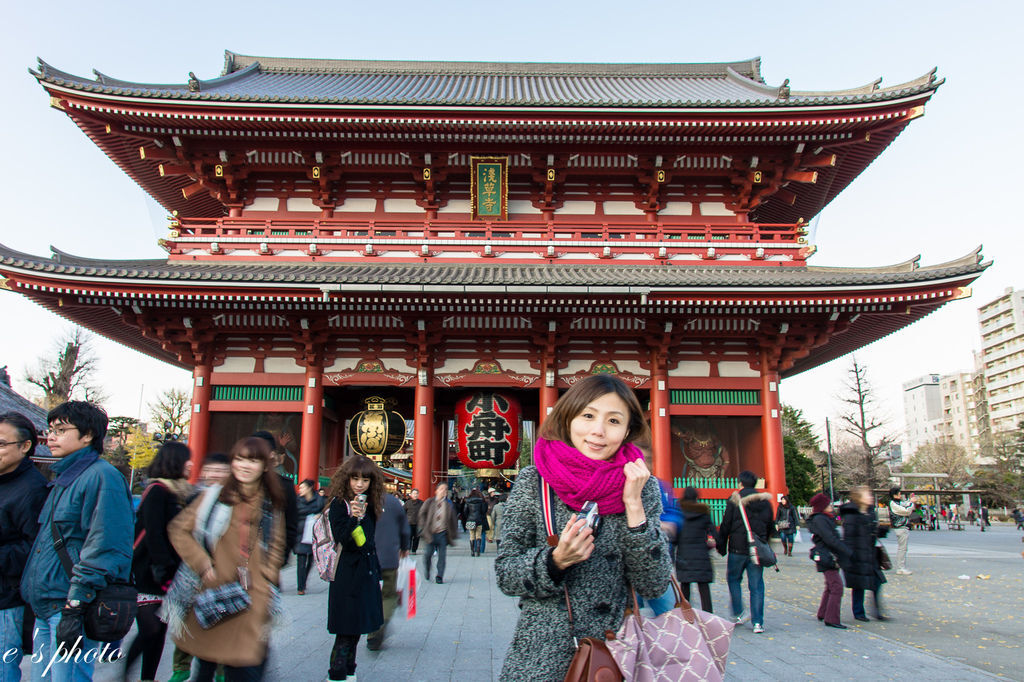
pixel 454 277
pixel 407 83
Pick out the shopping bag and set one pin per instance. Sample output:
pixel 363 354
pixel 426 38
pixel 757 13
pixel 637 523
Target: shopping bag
pixel 407 576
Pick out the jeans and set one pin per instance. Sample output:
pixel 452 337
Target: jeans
pixel 46 665
pixel 11 621
pixel 666 602
pixel 438 543
pixel 858 602
pixel 902 540
pixel 737 564
pixel 303 565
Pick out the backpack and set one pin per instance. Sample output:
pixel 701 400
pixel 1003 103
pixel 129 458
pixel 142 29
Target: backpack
pixel 325 549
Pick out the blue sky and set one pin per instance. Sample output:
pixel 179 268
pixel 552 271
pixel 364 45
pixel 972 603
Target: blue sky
pixel 948 184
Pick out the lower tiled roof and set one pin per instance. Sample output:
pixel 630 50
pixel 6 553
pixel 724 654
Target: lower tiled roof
pixel 371 275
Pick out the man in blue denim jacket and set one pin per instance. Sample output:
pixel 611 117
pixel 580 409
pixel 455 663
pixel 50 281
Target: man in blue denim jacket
pixel 91 507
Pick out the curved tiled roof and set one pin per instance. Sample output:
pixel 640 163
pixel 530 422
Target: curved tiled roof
pixel 491 274
pixel 512 84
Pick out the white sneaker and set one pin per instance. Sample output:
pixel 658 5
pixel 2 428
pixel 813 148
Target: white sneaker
pixel 904 571
pixel 739 620
pixel 758 628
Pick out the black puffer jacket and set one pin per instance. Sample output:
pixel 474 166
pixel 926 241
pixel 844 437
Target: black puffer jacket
pixel 22 494
pixel 832 551
pixel 733 533
pixel 476 512
pixel 693 564
pixel 860 531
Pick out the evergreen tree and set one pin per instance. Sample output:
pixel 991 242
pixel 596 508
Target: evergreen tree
pixel 799 472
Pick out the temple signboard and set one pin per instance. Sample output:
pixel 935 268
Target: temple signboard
pixel 489 187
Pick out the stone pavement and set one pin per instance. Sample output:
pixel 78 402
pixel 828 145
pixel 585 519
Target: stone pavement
pixel 464 626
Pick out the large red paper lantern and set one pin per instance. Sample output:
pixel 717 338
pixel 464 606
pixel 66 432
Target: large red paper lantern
pixel 488 430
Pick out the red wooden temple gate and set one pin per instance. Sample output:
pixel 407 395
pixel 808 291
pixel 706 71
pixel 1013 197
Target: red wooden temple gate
pixel 420 230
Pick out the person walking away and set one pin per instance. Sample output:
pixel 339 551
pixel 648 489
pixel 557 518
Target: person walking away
pixel 154 560
pixel 828 553
pixel 983 517
pixel 437 528
pixel 586 452
pixel 497 519
pixel 734 544
pixel 860 534
pixel 1018 518
pixel 787 520
pixel 23 491
pixel 697 536
pixel 412 515
pixel 392 539
pixel 90 507
pixel 476 521
pixel 233 534
pixel 899 521
pixel 354 603
pixel 309 504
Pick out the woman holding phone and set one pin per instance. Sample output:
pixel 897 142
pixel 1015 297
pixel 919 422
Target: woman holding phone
pixel 355 607
pixel 606 511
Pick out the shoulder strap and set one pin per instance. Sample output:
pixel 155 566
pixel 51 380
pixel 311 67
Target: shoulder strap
pixel 547 503
pixel 746 523
pixel 58 539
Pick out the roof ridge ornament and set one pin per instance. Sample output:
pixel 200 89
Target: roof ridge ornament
pixel 194 85
pixel 784 89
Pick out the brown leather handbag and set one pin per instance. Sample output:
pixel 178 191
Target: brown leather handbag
pixel 592 661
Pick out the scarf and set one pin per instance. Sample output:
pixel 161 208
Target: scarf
pixel 577 479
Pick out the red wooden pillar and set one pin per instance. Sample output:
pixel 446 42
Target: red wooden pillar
pixel 548 390
pixel 312 421
pixel 199 424
pixel 661 440
pixel 771 431
pixel 439 455
pixel 423 438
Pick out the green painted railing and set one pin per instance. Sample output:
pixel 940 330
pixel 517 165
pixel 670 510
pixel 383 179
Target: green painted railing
pixel 727 483
pixel 717 509
pixel 282 393
pixel 701 396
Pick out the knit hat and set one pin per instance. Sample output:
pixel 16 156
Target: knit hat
pixel 820 503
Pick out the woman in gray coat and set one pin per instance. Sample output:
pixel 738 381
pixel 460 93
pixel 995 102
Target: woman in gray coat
pixel 586 452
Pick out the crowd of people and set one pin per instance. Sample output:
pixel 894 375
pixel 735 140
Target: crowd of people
pixel 206 560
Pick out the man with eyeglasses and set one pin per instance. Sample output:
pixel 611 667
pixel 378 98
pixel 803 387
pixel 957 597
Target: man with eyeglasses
pixel 91 508
pixel 22 493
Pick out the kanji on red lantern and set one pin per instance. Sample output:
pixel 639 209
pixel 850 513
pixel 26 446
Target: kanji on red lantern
pixel 488 430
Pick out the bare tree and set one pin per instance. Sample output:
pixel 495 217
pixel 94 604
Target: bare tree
pixel 861 422
pixel 941 457
pixel 69 371
pixel 173 405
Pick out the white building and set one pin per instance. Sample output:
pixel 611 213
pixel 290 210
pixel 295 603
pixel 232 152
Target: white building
pixel 1002 359
pixel 959 411
pixel 922 412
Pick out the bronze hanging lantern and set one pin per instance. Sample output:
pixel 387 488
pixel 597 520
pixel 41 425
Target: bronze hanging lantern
pixel 377 432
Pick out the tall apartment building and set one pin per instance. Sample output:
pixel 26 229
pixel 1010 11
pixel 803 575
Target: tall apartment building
pixel 1002 360
pixel 959 411
pixel 922 412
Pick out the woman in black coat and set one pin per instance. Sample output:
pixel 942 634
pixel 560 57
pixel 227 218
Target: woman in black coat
pixel 154 561
pixel 308 504
pixel 828 553
pixel 787 521
pixel 354 602
pixel 696 537
pixel 860 533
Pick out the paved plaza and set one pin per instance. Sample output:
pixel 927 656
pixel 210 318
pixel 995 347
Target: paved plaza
pixel 943 627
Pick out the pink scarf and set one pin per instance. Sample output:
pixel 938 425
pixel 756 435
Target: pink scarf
pixel 577 479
